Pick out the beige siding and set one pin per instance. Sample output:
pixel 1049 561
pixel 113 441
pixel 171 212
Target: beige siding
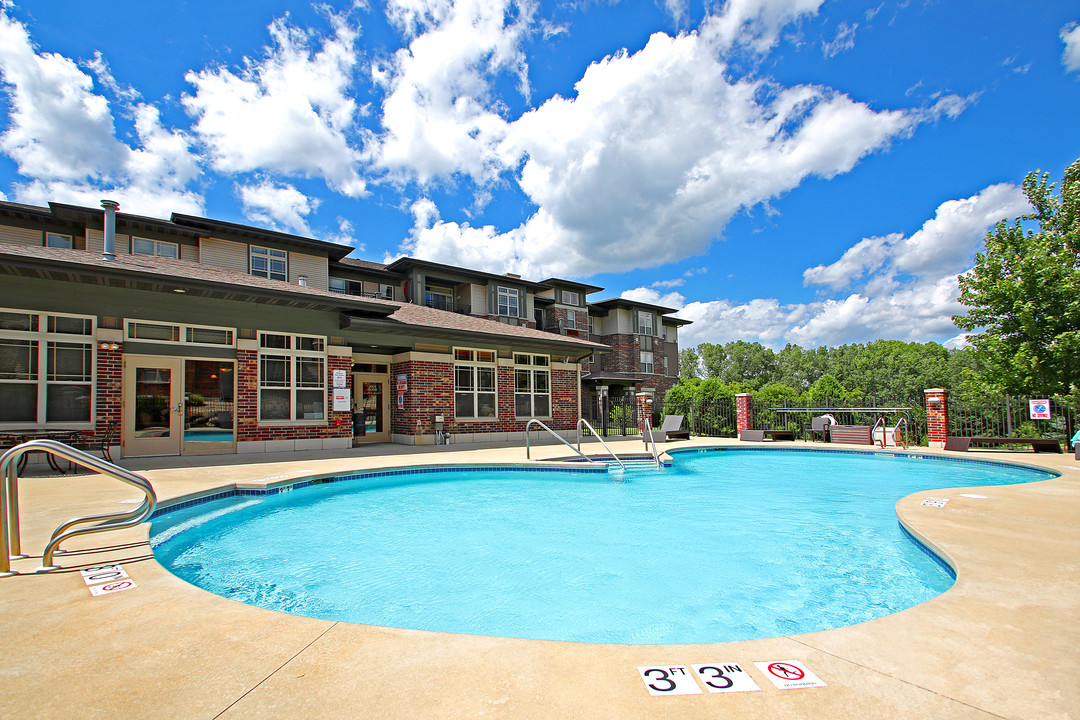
pixel 315 268
pixel 189 252
pixel 95 242
pixel 224 254
pixel 672 333
pixel 624 321
pixel 479 299
pixel 21 236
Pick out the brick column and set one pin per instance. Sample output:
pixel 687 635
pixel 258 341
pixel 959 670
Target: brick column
pixel 644 410
pixel 247 391
pixel 937 416
pixel 339 422
pixel 108 381
pixel 744 419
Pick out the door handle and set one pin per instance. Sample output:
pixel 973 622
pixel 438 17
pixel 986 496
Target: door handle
pixel 179 409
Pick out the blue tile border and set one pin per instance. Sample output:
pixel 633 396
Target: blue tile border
pixel 940 561
pixel 302 482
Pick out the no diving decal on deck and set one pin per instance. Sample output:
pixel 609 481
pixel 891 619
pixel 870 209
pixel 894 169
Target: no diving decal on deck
pixel 789 674
pixel 726 677
pixel 114 577
pixel 934 502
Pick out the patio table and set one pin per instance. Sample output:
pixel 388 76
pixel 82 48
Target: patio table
pixel 20 435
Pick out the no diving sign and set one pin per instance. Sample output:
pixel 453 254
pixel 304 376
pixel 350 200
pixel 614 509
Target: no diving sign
pixel 789 674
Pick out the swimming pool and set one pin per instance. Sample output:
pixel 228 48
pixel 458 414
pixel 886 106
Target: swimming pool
pixel 723 545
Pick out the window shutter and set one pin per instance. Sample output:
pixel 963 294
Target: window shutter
pixel 634 315
pixel 523 311
pixel 493 300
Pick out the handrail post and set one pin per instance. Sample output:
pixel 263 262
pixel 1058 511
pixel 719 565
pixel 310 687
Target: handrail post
pixel 593 431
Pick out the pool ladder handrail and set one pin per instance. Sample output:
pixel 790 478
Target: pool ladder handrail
pixel 583 421
pixel 902 421
pixel 10 547
pixel 528 448
pixel 649 438
pixel 873 432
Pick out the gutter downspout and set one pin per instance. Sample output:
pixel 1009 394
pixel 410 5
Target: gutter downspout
pixel 111 206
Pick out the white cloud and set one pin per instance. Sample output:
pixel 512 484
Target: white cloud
pixel 62 135
pixel 1070 58
pixel 439 114
pixel 756 24
pixel 277 205
pixel 648 295
pixel 288 113
pixel 905 288
pixel 844 40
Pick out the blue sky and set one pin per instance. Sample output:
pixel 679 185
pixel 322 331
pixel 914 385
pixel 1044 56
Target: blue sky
pixel 777 170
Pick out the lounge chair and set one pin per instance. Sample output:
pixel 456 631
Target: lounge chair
pixel 671 428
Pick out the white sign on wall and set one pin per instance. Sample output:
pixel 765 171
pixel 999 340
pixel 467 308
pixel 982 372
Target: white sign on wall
pixel 342 399
pixel 1040 409
pixel 341 379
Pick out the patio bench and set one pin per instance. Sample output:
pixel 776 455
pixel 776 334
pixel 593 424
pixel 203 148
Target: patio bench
pixel 761 435
pixel 851 434
pixel 962 444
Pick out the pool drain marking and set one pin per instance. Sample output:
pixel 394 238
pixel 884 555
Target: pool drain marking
pixel 668 680
pixel 934 502
pixel 789 674
pixel 725 678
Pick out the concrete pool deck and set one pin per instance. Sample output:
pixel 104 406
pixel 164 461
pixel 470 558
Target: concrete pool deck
pixel 1004 642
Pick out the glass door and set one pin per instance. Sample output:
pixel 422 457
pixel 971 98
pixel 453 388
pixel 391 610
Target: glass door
pixel 209 407
pixel 371 408
pixel 152 406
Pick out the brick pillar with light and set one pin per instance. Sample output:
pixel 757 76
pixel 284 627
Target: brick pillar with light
pixel 937 416
pixel 744 419
pixel 644 410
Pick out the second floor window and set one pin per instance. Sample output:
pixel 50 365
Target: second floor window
pixel 647 362
pixel 570 298
pixel 571 320
pixel 508 302
pixel 440 298
pixel 269 263
pixel 58 241
pixel 160 248
pixel 346 287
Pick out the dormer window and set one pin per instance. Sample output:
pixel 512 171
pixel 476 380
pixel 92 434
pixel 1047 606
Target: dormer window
pixel 57 240
pixel 158 248
pixel 570 298
pixel 269 263
pixel 508 302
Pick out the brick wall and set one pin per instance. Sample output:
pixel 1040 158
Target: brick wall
pixel 108 383
pixel 937 416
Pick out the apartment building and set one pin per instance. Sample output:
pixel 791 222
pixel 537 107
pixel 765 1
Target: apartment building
pixel 197 336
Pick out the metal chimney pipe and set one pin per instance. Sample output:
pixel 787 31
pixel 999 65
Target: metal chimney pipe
pixel 111 206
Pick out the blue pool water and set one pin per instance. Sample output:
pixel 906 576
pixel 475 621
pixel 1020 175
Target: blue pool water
pixel 727 545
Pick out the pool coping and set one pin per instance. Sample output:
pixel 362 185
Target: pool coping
pixel 204 656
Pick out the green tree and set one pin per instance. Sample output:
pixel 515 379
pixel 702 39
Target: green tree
pixel 828 388
pixel 689 363
pixel 1024 293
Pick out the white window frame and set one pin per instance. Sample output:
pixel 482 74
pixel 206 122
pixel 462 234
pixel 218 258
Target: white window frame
pixel 645 323
pixel 569 297
pixel 69 238
pixel 386 292
pixel 571 320
pixel 647 361
pixel 506 298
pixel 44 343
pixel 156 246
pixel 532 385
pixel 182 333
pixel 299 351
pixel 476 366
pixel 270 256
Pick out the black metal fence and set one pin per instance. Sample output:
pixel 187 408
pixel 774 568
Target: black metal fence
pixel 612 416
pixel 788 415
pixel 711 418
pixel 1012 416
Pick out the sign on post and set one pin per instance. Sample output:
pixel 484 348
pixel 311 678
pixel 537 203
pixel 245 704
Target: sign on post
pixel 1040 409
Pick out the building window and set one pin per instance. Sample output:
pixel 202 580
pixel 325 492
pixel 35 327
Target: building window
pixel 593 329
pixel 57 240
pixel 474 384
pixel 148 331
pixel 386 292
pixel 646 361
pixel 346 287
pixel 571 320
pixel 532 386
pixel 46 367
pixel 292 377
pixel 440 298
pixel 159 248
pixel 645 323
pixel 269 263
pixel 508 302
pixel 570 298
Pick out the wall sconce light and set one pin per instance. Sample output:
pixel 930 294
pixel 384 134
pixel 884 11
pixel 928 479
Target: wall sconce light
pixel 302 281
pixel 109 346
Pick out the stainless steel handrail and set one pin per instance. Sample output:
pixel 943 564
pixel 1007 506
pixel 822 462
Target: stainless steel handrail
pixel 649 437
pixel 9 501
pixel 528 449
pixel 593 431
pixel 903 420
pixel 881 422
